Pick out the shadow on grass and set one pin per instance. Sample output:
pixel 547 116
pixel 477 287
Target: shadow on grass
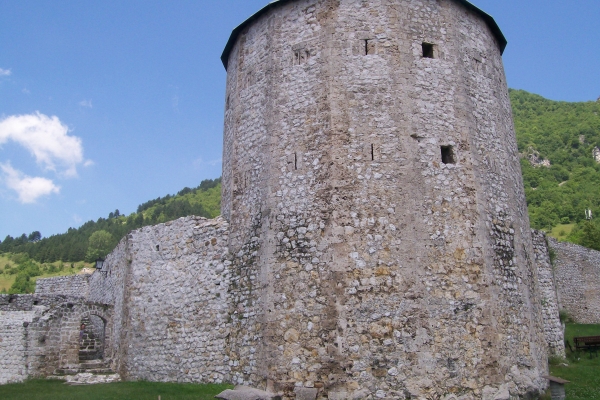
pixel 52 390
pixel 582 371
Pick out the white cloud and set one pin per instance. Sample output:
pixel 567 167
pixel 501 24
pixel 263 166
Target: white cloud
pixel 46 138
pixel 5 72
pixel 28 188
pixel 86 103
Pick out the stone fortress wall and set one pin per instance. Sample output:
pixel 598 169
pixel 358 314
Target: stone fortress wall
pixel 553 329
pixel 169 287
pixel 13 339
pixel 394 251
pixel 72 285
pixel 577 279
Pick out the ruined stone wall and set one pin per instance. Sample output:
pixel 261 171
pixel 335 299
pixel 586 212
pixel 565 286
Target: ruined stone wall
pixel 371 263
pixel 53 335
pixel 169 285
pixel 72 285
pixel 577 275
pixel 110 287
pixel 16 302
pixel 13 345
pixel 553 329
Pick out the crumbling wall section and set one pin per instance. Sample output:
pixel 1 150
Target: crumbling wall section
pixel 13 345
pixel 553 330
pixel 169 285
pixel 109 286
pixel 72 285
pixel 577 276
pixel 53 335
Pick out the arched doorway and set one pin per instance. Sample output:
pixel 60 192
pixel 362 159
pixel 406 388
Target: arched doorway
pixel 92 334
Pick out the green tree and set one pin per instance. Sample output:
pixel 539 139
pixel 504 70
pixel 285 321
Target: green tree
pixel 100 244
pixel 590 236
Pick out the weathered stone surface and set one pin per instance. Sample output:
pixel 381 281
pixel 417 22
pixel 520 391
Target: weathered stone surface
pixel 303 393
pixel 376 205
pixel 577 277
pixel 13 342
pixel 246 393
pixel 553 329
pixel 72 285
pixel 91 379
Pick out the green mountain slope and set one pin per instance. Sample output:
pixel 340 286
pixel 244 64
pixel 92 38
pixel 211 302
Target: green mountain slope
pixel 73 246
pixel 565 134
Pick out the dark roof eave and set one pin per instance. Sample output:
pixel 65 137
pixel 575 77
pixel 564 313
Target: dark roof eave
pixel 502 42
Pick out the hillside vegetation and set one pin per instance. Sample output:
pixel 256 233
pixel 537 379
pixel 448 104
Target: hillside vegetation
pixel 18 273
pixel 97 238
pixel 559 139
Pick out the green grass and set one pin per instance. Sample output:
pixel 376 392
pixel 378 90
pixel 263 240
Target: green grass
pixel 582 371
pixel 561 231
pixel 52 390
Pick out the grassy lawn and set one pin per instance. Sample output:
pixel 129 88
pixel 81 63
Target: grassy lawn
pixel 52 390
pixel 582 371
pixel 561 232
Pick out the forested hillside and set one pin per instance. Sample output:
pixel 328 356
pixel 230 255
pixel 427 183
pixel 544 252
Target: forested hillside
pixel 97 238
pixel 561 176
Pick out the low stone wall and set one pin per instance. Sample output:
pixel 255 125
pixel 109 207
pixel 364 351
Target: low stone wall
pixel 577 275
pixel 553 330
pixel 13 345
pixel 72 285
pixel 16 302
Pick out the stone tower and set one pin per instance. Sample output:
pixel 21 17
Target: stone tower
pixel 372 182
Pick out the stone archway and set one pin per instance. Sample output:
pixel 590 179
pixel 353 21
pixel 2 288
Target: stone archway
pixel 92 338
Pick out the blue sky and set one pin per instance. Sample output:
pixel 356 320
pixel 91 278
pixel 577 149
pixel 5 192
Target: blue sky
pixel 107 104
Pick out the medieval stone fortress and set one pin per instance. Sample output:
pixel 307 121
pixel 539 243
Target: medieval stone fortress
pixel 374 239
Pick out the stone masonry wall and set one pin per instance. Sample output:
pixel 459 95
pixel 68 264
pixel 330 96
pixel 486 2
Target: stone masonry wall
pixel 553 329
pixel 374 264
pixel 577 275
pixel 13 345
pixel 169 285
pixel 16 302
pixel 73 285
pixel 111 288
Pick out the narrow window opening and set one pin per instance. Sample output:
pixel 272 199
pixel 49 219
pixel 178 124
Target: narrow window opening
pixel 369 47
pixel 295 161
pixel 157 248
pixel 227 103
pixel 301 56
pixel 372 152
pixel 427 50
pixel 447 155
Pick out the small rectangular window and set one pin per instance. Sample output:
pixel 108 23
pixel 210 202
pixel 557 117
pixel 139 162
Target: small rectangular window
pixel 369 47
pixel 301 56
pixel 447 155
pixel 428 50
